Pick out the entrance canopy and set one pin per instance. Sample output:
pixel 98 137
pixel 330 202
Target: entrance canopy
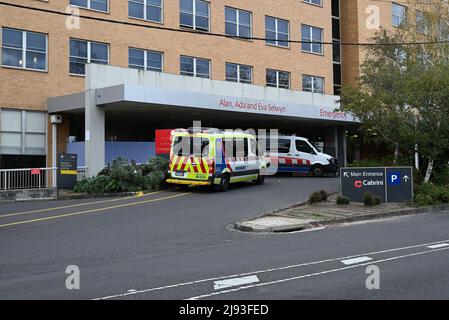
pixel 170 98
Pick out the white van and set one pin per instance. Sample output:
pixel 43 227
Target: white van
pixel 296 154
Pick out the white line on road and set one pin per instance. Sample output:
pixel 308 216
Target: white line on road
pixel 312 274
pixel 234 282
pixel 262 271
pixel 437 246
pixel 355 260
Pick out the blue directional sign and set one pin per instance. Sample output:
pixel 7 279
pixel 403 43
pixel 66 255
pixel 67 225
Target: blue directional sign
pixel 390 184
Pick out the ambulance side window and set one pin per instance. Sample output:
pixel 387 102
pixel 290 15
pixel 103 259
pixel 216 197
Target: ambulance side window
pixel 284 145
pixel 303 146
pixel 241 147
pixel 253 146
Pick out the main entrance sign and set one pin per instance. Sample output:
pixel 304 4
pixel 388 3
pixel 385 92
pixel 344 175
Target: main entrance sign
pixel 391 184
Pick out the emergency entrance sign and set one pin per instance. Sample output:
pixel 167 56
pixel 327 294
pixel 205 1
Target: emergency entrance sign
pixel 391 184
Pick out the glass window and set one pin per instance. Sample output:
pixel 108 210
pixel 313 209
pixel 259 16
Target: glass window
pixel 239 73
pixel 150 10
pixel 284 145
pixel 312 38
pixel 82 52
pixel 145 60
pixel 238 23
pixel 195 67
pixel 302 146
pixel 399 15
pixel 22 132
pixel 316 2
pixel 24 49
pixel 277 31
pixel 99 5
pixel 194 14
pixel 278 79
pixel 313 84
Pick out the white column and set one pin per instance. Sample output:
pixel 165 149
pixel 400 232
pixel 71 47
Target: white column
pixel 54 148
pixel 94 135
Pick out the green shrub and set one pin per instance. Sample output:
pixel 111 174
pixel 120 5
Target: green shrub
pixel 121 176
pixel 429 194
pixel 323 195
pixel 318 196
pixel 343 200
pixel 440 176
pixel 370 199
pixel 315 197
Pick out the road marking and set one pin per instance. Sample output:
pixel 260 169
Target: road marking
pixel 437 246
pixel 355 260
pixel 312 274
pixel 183 284
pixel 92 210
pixel 77 205
pixel 234 282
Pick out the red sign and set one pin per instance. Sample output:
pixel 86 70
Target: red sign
pixel 163 141
pixel 35 171
pixel 358 184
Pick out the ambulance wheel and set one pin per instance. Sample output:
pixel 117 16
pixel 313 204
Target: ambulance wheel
pixel 224 183
pixel 317 171
pixel 260 180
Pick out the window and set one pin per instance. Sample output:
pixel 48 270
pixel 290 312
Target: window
pixel 312 84
pixel 278 79
pixel 239 73
pixel 145 60
pixel 195 67
pixel 99 5
pixel 235 147
pixel 277 31
pixel 399 15
pixel 82 52
pixel 24 49
pixel 284 145
pixel 238 23
pixel 421 22
pixel 22 132
pixel 312 38
pixel 315 2
pixel 194 14
pixel 302 146
pixel 150 10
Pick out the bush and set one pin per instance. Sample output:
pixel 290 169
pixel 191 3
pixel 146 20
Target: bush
pixel 343 200
pixel 318 196
pixel 429 194
pixel 323 195
pixel 121 176
pixel 370 199
pixel 440 176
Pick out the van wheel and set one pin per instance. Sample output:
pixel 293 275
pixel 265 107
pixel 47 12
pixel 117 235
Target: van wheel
pixel 224 183
pixel 260 180
pixel 317 171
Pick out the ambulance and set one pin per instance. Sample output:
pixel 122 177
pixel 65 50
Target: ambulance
pixel 215 158
pixel 297 155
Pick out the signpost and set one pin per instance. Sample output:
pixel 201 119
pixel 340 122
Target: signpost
pixel 390 184
pixel 67 170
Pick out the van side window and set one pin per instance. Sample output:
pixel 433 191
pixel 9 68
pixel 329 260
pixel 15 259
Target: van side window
pixel 254 148
pixel 303 146
pixel 241 147
pixel 284 145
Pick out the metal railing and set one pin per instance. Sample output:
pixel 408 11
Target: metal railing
pixel 33 178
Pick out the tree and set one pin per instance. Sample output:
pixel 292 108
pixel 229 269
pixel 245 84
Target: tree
pixel 403 92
